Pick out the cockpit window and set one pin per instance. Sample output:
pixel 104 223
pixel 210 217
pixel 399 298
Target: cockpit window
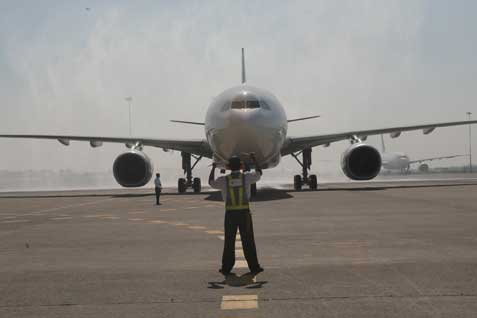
pixel 264 105
pixel 245 104
pixel 253 104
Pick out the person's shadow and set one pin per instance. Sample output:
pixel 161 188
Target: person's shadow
pixel 248 280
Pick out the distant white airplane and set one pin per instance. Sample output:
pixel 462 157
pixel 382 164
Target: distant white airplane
pixel 400 161
pixel 240 121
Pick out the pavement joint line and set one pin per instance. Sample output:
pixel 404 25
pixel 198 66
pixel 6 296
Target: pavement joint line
pixel 136 212
pixel 61 218
pixel 73 205
pixel 262 299
pixel 191 207
pixel 235 302
pixel 166 210
pixel 110 217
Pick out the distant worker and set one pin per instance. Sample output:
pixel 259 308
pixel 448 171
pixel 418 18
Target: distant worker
pixel 158 186
pixel 235 189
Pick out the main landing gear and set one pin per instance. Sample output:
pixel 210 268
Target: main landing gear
pixel 189 182
pixel 305 163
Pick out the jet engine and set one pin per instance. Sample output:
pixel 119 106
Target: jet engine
pixel 361 162
pixel 132 169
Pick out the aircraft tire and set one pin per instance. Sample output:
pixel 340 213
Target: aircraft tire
pixel 196 185
pixel 297 182
pixel 313 182
pixel 181 185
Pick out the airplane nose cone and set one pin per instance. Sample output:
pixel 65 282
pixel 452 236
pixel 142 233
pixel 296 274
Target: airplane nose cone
pixel 245 132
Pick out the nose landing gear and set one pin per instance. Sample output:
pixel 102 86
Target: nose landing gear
pixel 305 163
pixel 189 182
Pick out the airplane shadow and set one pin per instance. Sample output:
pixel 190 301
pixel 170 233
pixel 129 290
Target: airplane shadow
pixel 247 280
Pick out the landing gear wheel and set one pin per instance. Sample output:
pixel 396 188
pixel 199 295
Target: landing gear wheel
pixel 313 182
pixel 181 185
pixel 297 183
pixel 196 185
pixel 253 190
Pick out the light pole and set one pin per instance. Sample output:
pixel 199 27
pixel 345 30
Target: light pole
pixel 470 143
pixel 129 100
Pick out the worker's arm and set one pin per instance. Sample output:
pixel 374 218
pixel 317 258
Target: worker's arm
pixel 254 160
pixel 212 175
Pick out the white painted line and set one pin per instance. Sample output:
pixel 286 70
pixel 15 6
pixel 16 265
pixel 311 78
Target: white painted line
pixel 197 227
pixel 167 210
pixel 234 302
pixel 110 217
pixel 135 219
pixel 98 216
pixel 239 253
pixel 180 224
pixel 238 244
pixel 221 237
pixel 157 222
pixel 241 264
pixel 214 232
pixel 136 212
pixel 191 207
pixel 9 217
pixel 61 218
pixel 15 221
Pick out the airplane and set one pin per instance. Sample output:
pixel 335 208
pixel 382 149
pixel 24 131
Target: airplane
pixel 400 161
pixel 240 121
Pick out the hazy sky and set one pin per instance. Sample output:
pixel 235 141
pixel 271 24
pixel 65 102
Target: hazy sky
pixel 360 64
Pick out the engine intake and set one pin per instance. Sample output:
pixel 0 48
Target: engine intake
pixel 361 162
pixel 132 169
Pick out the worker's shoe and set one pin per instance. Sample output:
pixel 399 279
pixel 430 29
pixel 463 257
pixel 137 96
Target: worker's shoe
pixel 225 273
pixel 256 271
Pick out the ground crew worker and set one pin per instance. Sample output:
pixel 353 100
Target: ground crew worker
pixel 236 193
pixel 158 186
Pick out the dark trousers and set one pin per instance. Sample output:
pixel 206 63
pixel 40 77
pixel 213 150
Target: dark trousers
pixel 243 221
pixel 158 194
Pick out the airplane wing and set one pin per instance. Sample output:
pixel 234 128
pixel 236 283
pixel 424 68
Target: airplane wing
pixel 197 147
pixel 435 158
pixel 293 145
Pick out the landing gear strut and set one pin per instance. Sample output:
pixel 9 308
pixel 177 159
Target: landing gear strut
pixel 189 182
pixel 305 163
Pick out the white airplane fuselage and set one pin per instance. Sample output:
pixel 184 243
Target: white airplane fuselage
pixel 395 161
pixel 244 120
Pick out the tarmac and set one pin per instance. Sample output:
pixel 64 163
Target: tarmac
pixel 383 249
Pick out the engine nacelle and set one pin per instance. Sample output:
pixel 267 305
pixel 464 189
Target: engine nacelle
pixel 361 162
pixel 133 169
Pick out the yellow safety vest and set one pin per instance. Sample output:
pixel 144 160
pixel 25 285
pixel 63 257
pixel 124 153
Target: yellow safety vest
pixel 236 195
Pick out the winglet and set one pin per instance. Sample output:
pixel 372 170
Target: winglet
pixel 244 77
